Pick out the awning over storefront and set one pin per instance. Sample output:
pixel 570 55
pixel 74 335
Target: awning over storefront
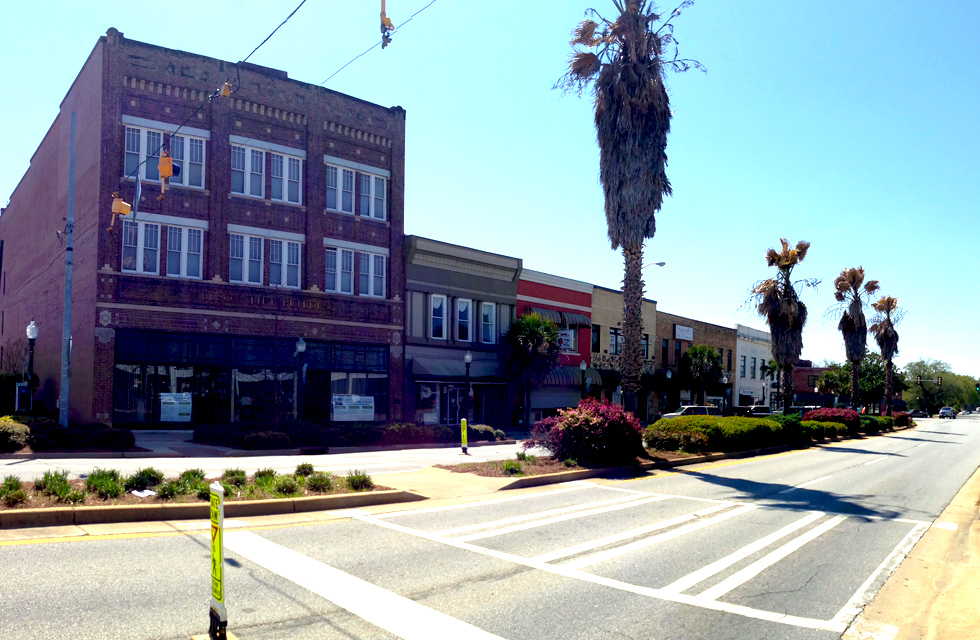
pixel 547 314
pixel 576 319
pixel 571 377
pixel 454 368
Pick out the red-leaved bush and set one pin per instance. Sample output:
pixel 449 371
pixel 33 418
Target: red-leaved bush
pixel 901 418
pixel 848 417
pixel 594 433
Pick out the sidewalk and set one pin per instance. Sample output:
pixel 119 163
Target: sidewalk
pixel 935 593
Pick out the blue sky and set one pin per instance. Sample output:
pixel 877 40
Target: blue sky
pixel 853 125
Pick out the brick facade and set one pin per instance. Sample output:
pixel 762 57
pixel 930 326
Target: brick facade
pixel 131 84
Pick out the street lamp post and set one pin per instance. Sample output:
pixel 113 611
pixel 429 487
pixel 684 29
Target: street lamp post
pixel 298 394
pixel 724 381
pixel 582 367
pixel 31 337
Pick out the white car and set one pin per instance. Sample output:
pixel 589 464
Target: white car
pixel 693 410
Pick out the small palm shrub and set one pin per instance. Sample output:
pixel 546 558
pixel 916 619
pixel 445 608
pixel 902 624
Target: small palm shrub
pixel 304 469
pixel 192 476
pixel 286 485
pixel 358 481
pixel 524 456
pixel 513 468
pixel 143 479
pixel 13 498
pixel 319 482
pixel 234 477
pixel 594 433
pixel 105 483
pixel 53 483
pixel 171 489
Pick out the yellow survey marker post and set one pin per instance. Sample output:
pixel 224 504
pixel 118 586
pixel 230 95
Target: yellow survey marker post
pixel 462 428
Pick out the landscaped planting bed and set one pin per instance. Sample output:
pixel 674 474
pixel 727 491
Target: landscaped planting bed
pixel 107 487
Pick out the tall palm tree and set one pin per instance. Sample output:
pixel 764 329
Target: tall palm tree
pixel 778 301
pixel 853 326
pixel 624 63
pixel 883 330
pixel 704 364
pixel 531 351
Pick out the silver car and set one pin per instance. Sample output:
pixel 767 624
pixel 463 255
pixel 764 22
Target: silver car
pixel 947 412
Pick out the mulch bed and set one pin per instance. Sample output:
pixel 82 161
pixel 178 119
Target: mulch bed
pixel 544 465
pixel 28 451
pixel 35 501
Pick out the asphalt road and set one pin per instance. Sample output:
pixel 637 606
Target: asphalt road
pixel 789 546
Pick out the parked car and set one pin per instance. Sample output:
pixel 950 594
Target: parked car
pixel 918 413
pixel 965 412
pixel 947 412
pixel 693 410
pixel 760 411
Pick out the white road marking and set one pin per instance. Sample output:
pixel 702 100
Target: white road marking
pixel 531 516
pixel 920 445
pixel 453 507
pixel 626 535
pixel 741 577
pixel 563 570
pixel 688 581
pixel 562 518
pixel 876 460
pixel 805 484
pixel 389 611
pixel 948 526
pixel 603 556
pixel 865 592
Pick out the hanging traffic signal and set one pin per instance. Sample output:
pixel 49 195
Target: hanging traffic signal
pixel 918 380
pixel 940 381
pixel 119 208
pixel 386 27
pixel 978 387
pixel 225 90
pixel 167 170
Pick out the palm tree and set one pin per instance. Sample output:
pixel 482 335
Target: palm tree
pixel 624 63
pixel 531 351
pixel 883 330
pixel 778 301
pixel 853 326
pixel 703 364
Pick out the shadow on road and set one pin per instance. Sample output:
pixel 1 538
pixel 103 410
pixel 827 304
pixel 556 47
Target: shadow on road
pixel 783 495
pixel 850 450
pixel 942 433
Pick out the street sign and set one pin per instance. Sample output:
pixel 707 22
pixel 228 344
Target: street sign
pixel 219 615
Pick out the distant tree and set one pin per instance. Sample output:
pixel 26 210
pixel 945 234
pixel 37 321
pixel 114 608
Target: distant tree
pixel 837 380
pixel 703 364
pixel 850 292
pixel 625 62
pixel 883 330
pixel 13 356
pixel 777 300
pixel 531 351
pixel 928 396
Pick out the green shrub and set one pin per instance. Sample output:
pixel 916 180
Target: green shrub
pixel 358 481
pixel 192 476
pixel 264 440
pixel 13 498
pixel 234 477
pixel 304 469
pixel 792 426
pixel 513 468
pixel 887 423
pixel 143 479
pixel 524 456
pixel 171 489
pixel 499 435
pixel 286 486
pixel 10 484
pixel 319 482
pixel 53 483
pixel 815 429
pixel 668 440
pixel 594 433
pixel 13 435
pixel 570 463
pixel 265 473
pixel 723 433
pixel 480 433
pixel 105 483
pixel 73 496
pixel 203 491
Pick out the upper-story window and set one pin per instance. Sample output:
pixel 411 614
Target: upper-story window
pixel 373 193
pixel 246 259
pixel 371 280
pixel 340 270
pixel 284 267
pixel 141 247
pixel 340 189
pixel 645 346
pixel 488 312
pixel 437 317
pixel 247 171
pixel 184 248
pixel 754 360
pixel 464 313
pixel 143 147
pixel 287 178
pixel 615 341
pixel 741 373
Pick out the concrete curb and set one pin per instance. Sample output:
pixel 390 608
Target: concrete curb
pixel 617 472
pixel 240 453
pixel 90 455
pixel 67 516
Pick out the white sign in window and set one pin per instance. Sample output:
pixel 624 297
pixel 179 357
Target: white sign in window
pixel 352 408
pixel 176 407
pixel 566 340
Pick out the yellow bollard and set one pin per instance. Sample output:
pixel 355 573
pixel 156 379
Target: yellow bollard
pixel 462 428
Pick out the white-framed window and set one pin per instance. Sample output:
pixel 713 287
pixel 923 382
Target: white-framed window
pixel 464 317
pixel 247 171
pixel 373 194
pixel 141 247
pixel 437 317
pixel 246 259
pixel 340 271
pixel 184 252
pixel 741 373
pixel 488 322
pixel 371 272
pixel 284 263
pixel 340 189
pixel 143 152
pixel 286 179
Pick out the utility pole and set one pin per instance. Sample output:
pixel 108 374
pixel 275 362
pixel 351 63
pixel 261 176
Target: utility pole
pixel 69 263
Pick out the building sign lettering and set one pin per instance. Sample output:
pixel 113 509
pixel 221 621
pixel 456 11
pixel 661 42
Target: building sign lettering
pixel 683 333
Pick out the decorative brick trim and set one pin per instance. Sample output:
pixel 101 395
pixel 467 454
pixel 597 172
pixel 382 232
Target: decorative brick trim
pixel 351 132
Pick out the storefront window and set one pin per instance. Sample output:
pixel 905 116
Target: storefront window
pixel 358 397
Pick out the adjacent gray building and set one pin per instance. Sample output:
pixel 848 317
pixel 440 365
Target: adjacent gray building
pixel 458 301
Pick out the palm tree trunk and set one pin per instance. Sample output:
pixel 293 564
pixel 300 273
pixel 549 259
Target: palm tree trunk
pixel 632 325
pixel 889 389
pixel 787 386
pixel 855 383
pixel 527 406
